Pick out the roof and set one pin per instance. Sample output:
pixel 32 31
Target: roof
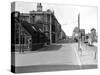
pixel 31 28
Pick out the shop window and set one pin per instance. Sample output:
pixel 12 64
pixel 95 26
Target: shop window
pixel 17 40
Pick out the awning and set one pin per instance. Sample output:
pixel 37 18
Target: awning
pixel 29 27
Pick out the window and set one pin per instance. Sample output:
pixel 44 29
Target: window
pixel 22 39
pixel 17 40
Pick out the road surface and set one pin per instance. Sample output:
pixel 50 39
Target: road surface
pixel 51 55
pixel 62 56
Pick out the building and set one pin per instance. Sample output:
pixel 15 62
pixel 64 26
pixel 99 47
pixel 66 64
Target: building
pixel 91 37
pixel 45 20
pixel 33 30
pixel 78 34
pixel 82 35
pixel 75 35
pixel 25 36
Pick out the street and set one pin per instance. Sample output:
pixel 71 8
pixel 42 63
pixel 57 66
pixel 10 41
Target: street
pixel 61 56
pixel 55 54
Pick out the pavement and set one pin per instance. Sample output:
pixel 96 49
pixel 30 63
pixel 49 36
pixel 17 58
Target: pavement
pixel 88 54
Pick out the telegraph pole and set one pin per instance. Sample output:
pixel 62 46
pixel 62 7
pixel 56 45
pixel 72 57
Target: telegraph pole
pixel 79 31
pixel 79 20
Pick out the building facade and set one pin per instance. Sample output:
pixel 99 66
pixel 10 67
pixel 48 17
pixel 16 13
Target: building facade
pixel 46 21
pixel 33 30
pixel 25 36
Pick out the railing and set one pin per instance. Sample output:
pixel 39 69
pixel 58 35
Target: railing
pixel 26 47
pixel 22 47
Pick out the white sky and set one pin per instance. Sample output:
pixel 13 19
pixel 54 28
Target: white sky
pixel 67 15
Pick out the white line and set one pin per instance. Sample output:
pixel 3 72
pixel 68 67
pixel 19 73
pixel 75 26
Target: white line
pixel 77 55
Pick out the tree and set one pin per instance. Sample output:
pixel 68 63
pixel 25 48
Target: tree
pixel 93 35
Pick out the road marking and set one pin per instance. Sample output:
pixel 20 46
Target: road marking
pixel 77 55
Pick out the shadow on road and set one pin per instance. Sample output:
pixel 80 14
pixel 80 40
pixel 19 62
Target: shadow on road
pixel 44 49
pixel 66 41
pixel 50 48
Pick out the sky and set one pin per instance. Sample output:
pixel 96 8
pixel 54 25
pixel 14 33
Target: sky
pixel 67 15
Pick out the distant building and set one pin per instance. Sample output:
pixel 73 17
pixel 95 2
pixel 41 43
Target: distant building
pixel 75 34
pixel 82 35
pixel 78 34
pixel 63 35
pixel 91 37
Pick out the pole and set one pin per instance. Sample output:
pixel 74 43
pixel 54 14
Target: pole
pixel 79 20
pixel 50 31
pixel 79 31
